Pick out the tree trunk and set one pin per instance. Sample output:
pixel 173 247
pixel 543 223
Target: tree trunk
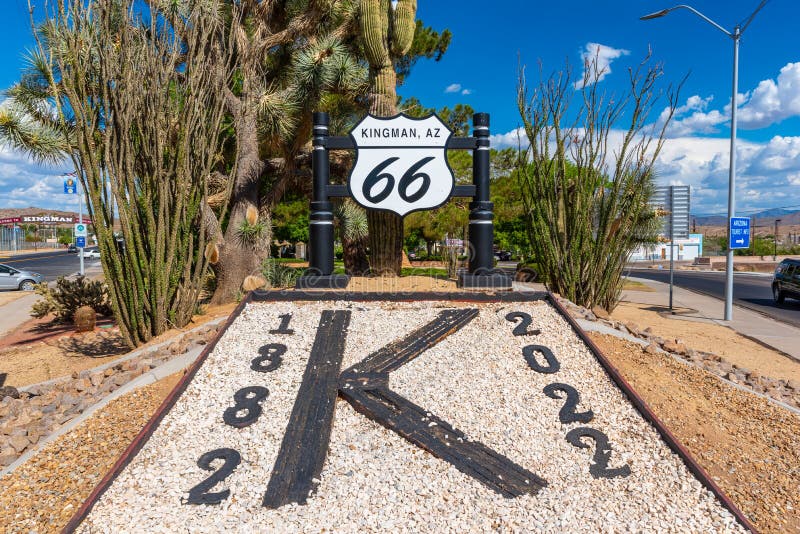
pixel 238 258
pixel 355 257
pixel 385 228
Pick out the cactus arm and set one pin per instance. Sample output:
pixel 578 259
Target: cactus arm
pixel 374 27
pixel 403 27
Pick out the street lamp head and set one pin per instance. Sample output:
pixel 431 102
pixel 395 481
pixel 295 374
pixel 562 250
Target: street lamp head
pixel 655 15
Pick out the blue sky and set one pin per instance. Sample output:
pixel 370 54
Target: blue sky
pixel 480 69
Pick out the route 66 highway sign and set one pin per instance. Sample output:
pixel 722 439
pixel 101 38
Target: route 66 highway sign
pixel 401 163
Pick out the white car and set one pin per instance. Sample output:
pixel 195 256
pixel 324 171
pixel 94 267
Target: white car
pixel 91 253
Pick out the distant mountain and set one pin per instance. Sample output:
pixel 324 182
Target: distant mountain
pixel 762 218
pixel 32 211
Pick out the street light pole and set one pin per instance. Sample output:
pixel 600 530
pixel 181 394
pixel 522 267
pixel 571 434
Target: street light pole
pixel 735 35
pixel 775 241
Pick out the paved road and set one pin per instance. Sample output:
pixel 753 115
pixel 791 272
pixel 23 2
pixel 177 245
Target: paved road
pixel 50 264
pixel 752 291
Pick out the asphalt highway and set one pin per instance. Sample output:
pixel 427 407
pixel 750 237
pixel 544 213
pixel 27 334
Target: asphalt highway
pixel 750 290
pixel 50 264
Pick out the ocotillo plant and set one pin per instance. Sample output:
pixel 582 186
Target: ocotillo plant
pixel 387 33
pixel 587 177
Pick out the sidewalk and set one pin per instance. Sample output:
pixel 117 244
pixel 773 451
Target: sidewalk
pixel 768 331
pixel 17 312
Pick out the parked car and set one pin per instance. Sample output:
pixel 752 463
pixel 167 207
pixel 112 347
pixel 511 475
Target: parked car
pixel 72 248
pixel 11 278
pixel 91 253
pixel 786 281
pixel 503 255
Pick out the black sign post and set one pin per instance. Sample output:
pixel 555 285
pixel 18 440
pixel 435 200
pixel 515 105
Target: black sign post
pixel 481 273
pixel 401 166
pixel 320 262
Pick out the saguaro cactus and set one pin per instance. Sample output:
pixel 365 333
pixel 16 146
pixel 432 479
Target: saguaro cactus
pixel 387 33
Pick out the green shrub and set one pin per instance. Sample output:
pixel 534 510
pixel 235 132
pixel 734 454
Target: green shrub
pixel 68 296
pixel 278 274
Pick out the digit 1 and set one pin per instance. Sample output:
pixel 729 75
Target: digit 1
pixel 284 326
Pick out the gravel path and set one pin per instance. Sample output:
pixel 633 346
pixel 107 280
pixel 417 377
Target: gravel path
pixel 373 479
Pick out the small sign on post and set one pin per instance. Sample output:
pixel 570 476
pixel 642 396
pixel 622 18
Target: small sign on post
pixel 80 230
pixel 739 230
pixel 70 186
pixel 80 241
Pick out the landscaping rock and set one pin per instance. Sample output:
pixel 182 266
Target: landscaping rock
pixel 85 318
pixel 19 443
pixel 652 348
pixel 9 391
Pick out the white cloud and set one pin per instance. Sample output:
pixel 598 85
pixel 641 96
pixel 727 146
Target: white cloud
pixel 512 139
pixel 596 59
pixel 771 102
pixel 453 88
pixel 466 92
pixel 25 183
pixel 767 173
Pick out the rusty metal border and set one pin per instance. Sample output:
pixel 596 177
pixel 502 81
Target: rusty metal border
pixel 502 297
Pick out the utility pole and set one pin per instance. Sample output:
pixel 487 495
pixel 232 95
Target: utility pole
pixel 775 241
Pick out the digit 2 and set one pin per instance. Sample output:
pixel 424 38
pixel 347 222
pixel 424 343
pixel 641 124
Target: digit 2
pixel 199 494
pixel 522 328
pixel 530 356
pixel 602 452
pixel 247 399
pixel 567 414
pixel 270 358
pixel 283 328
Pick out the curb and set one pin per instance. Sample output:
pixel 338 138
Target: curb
pixel 154 375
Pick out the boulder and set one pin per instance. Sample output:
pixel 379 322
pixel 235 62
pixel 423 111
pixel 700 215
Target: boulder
pixel 85 319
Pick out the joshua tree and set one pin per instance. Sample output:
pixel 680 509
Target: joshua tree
pixel 353 233
pixel 288 56
pixel 587 180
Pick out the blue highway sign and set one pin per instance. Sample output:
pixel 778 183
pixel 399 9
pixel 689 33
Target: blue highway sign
pixel 80 241
pixel 740 232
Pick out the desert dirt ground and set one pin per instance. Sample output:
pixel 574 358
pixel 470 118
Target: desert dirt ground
pixel 64 354
pixel 10 296
pixel 709 337
pixel 748 445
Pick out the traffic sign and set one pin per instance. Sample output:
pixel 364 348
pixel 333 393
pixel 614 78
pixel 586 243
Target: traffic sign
pixel 739 231
pixel 80 241
pixel 80 230
pixel 401 163
pixel 70 186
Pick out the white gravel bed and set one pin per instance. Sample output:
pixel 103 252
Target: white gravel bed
pixel 374 480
